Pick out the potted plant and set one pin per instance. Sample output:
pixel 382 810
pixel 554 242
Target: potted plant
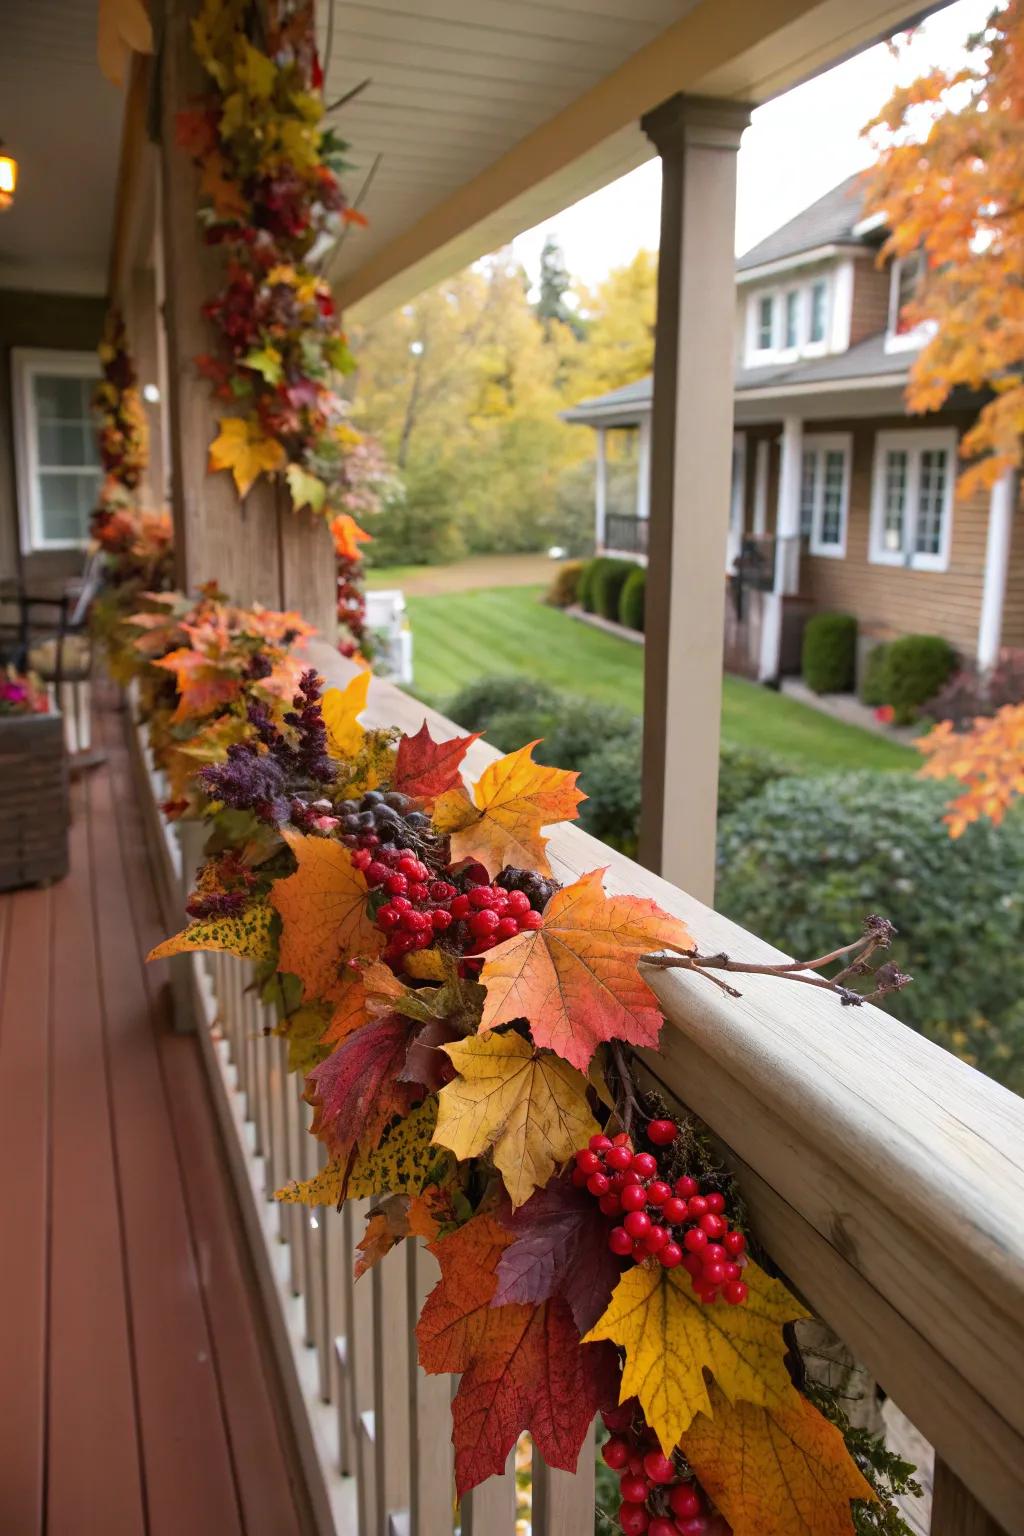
pixel 33 785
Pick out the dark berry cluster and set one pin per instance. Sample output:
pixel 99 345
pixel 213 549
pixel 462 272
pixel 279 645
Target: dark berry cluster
pixel 659 1494
pixel 471 913
pixel 536 887
pixel 673 1223
pixel 387 823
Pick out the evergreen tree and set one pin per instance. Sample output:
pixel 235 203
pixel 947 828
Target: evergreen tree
pixel 554 285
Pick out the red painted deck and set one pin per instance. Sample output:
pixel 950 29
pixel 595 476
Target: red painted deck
pixel 137 1391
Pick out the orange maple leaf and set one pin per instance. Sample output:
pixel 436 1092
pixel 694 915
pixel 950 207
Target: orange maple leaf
pixel 576 978
pixel 224 194
pixel 203 685
pixel 358 997
pixel 779 1471
pixel 348 536
pixel 523 1365
pixel 324 920
pixel 511 801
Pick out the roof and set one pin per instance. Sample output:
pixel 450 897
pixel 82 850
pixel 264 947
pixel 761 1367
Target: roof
pixel 867 360
pixel 829 221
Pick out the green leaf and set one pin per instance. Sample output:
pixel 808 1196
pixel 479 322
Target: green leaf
pixel 307 490
pixel 265 361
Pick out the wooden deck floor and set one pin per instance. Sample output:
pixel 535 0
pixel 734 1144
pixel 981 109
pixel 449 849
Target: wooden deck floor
pixel 137 1393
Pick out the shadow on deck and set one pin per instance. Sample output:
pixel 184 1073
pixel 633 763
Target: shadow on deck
pixel 139 1394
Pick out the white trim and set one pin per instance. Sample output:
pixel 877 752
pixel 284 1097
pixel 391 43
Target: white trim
pixel 643 470
pixel 868 225
pixel 761 460
pixel 895 339
pixel 842 308
pixel 1002 501
pixel 821 443
pixel 835 335
pixel 600 490
pixel 794 263
pixel 26 363
pixel 821 386
pixel 913 442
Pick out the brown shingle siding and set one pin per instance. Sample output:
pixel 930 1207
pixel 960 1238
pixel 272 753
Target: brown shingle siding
pixel 870 310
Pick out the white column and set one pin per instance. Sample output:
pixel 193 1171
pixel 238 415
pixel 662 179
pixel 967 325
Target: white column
pixel 997 559
pixel 787 547
pixel 761 462
pixel 600 491
pixel 691 471
pixel 643 469
pixel 737 499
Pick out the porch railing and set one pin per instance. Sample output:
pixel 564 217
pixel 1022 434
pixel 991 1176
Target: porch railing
pixel 625 533
pixel 885 1177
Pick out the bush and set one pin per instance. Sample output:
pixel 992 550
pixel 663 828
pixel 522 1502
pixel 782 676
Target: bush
pixel 612 778
pixel 916 666
pixel 564 588
pixel 477 704
pixel 743 773
pixel 807 860
pixel 609 580
pixel 631 599
pixel 829 657
pixel 583 728
pixel 872 683
pixel 970 693
pixel 585 585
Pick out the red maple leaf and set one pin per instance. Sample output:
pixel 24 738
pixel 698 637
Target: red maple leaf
pixel 425 768
pixel 560 1248
pixel 523 1366
pixel 356 1091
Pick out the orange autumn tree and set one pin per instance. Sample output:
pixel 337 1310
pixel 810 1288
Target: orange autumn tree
pixel 988 760
pixel 949 178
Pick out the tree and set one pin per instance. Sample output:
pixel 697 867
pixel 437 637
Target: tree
pixel 948 179
pixel 620 313
pixel 988 759
pixel 555 283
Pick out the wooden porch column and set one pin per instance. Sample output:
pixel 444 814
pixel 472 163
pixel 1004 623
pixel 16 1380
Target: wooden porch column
pixel 691 471
pixel 787 547
pixel 997 560
pixel 260 550
pixel 600 491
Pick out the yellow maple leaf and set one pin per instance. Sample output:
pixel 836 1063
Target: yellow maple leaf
pixel 242 448
pixel 340 708
pixel 307 490
pixel 249 935
pixel 401 1164
pixel 671 1338
pixel 324 920
pixel 254 72
pixel 511 801
pixel 527 1107
pixel 779 1471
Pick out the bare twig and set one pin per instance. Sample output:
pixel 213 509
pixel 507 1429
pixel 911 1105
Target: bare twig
pixel 629 1106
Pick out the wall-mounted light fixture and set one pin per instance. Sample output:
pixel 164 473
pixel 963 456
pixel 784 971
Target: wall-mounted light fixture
pixel 8 177
pixel 151 394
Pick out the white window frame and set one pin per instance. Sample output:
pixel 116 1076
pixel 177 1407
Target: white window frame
pixel 26 363
pixel 816 347
pixel 778 296
pixel 821 443
pixel 913 443
pixel 895 339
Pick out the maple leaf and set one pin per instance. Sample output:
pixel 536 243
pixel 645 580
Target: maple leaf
pixel 307 490
pixel 244 449
pixel 355 1092
pixel 340 708
pixel 671 1338
pixel 304 1032
pixel 348 536
pixel 403 1163
pixel 323 913
pixel 523 1367
pixel 576 978
pixel 558 1250
pixel 203 685
pixel 354 998
pixel 511 801
pixel 249 934
pixel 524 1106
pixel 266 361
pixel 386 1225
pixel 216 184
pixel 425 768
pixel 779 1471
pixel 195 130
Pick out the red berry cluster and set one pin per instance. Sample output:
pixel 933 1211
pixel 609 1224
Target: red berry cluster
pixel 673 1223
pixel 418 908
pixel 659 1496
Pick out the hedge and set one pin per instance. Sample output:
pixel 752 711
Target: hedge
pixel 872 683
pixel 564 588
pixel 631 599
pixel 829 656
pixel 916 667
pixel 609 580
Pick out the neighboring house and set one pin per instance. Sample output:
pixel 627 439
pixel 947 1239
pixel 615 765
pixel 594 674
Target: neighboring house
pixel 841 500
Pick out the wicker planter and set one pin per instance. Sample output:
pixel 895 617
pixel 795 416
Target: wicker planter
pixel 33 800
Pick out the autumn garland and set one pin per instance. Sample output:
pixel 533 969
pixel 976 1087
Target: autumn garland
pixel 409 931
pixel 271 198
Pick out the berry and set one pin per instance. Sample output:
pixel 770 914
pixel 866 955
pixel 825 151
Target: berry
pixel 713 1275
pixel 483 924
pixel 685 1187
pixel 713 1225
pixel 633 1197
pixel 633 1488
pixel 736 1293
pixel 401 903
pixel 396 885
pixel 670 1255
pixel 460 907
pixel 714 1253
pixel 531 920
pixel 376 873
pixel 610 1204
pixel 619 1240
pixel 418 891
pixel 579 1178
pixel 661 1132
pixel 441 890
pixel 387 917
pixel 674 1210
pixel 659 1526
pixel 615 1453
pixel 656 1238
pixel 634 1519
pixel 619 1157
pixel 481 896
pixel 697 1206
pixel 684 1501
pixel 637 1223
pixel 518 903
pixel 507 928
pixel 597 1184
pixel 644 1164
pixel 716 1202
pixel 658 1192
pixel 734 1243
pixel 588 1161
pixel 695 1240
pixel 698 1526
pixel 599 1143
pixel 441 919
pixel 622 1140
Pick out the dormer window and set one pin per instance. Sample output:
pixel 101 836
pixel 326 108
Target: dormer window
pixel 766 323
pixel 787 323
pixel 904 284
pixel 819 308
pixel 792 320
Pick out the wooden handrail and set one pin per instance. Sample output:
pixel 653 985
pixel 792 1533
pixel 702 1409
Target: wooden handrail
pixel 885 1176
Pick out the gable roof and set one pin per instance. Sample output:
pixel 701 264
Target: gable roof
pixel 829 221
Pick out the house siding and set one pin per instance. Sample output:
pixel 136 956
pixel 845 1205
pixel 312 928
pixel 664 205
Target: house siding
pixel 870 311
pixel 68 323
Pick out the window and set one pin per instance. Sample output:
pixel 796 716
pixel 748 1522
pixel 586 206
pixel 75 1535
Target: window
pixel 793 319
pixel 912 499
pixel 766 323
pixel 58 462
pixel 906 277
pixel 819 305
pixel 825 493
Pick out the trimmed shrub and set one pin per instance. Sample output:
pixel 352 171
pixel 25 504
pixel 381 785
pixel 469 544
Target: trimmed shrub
pixel 609 580
pixel 583 728
pixel 510 729
pixel 631 599
pixel 612 778
pixel 585 585
pixel 829 656
pixel 476 705
pixel 743 772
pixel 872 682
pixel 805 862
pixel 564 589
pixel 916 666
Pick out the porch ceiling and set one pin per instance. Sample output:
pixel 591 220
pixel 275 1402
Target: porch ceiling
pixel 490 116
pixel 62 121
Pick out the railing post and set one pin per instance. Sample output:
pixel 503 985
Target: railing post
pixel 563 1502
pixel 955 1510
pixel 691 461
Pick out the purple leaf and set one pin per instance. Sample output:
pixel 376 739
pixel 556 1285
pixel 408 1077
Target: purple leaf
pixel 561 1249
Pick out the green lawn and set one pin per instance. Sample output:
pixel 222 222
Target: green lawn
pixel 463 635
